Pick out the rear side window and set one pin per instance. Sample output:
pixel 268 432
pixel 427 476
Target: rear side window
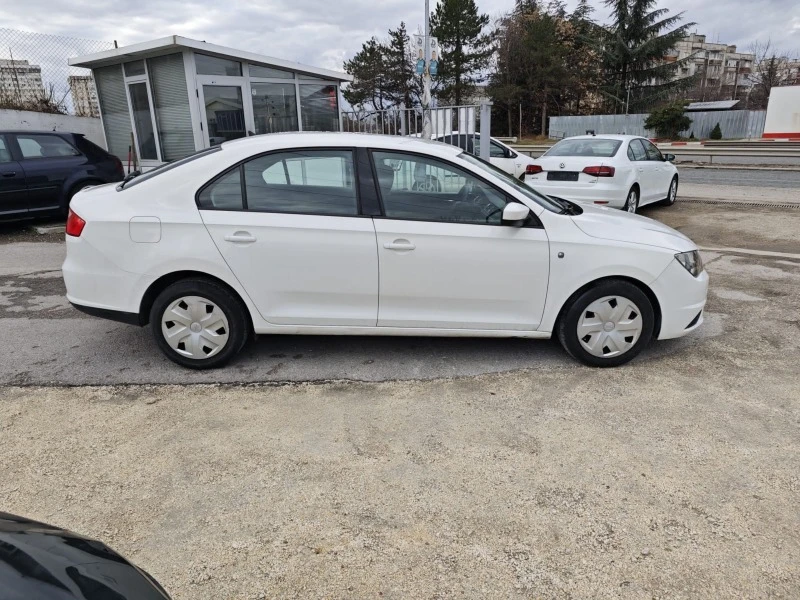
pixel 45 146
pixel 317 182
pixel 599 147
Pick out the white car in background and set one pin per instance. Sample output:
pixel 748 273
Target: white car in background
pixel 352 234
pixel 501 156
pixel 620 171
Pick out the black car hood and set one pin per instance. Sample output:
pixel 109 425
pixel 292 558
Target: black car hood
pixel 42 562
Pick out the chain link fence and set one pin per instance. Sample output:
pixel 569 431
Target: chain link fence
pixel 35 74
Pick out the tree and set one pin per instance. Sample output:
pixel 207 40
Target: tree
pixel 369 85
pixel 771 69
pixel 669 120
pixel 716 133
pixel 403 85
pixel 633 48
pixel 465 48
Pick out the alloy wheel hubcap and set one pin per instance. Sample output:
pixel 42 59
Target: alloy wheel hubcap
pixel 610 326
pixel 632 201
pixel 195 327
pixel 673 191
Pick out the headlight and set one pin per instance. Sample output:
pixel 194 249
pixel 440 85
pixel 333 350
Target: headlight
pixel 691 261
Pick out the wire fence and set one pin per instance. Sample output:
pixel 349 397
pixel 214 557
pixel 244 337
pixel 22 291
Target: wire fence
pixel 35 74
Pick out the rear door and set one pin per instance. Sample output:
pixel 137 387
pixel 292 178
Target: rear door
pixel 13 193
pixel 288 226
pixel 48 161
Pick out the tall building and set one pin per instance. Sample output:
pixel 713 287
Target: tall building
pixel 84 95
pixel 20 81
pixel 722 72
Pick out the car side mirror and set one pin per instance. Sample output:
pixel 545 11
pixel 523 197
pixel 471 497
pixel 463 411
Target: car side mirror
pixel 509 153
pixel 515 214
pixel 669 157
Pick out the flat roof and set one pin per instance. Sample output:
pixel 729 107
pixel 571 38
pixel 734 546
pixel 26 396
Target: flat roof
pixel 176 42
pixel 716 105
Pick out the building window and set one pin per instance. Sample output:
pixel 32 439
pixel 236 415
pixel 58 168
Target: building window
pixel 171 103
pixel 211 65
pixel 143 121
pixel 114 109
pixel 134 68
pixel 269 73
pixel 274 107
pixel 319 107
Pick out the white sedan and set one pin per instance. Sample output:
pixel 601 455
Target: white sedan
pixel 350 234
pixel 501 156
pixel 620 171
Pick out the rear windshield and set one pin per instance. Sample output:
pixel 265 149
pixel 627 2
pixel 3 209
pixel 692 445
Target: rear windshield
pixel 166 167
pixel 585 147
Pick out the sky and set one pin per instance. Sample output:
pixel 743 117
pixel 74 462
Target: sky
pixel 325 32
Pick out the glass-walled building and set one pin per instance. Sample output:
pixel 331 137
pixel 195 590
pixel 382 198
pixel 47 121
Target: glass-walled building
pixel 173 96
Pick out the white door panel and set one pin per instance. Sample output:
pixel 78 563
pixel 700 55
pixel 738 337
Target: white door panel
pixel 301 269
pixel 461 276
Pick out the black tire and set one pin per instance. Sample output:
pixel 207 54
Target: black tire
pixel 229 304
pixel 670 199
pixel 627 207
pixel 567 326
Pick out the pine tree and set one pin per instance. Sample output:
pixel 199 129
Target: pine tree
pixel 403 84
pixel 465 48
pixel 633 49
pixel 369 85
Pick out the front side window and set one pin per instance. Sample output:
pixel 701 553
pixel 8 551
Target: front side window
pixel 45 146
pixel 636 151
pixel 5 153
pixel 495 150
pixel 320 182
pixel 653 153
pixel 420 188
pixel 599 147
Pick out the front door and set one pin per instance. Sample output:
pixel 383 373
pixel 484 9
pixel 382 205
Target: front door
pixel 295 240
pixel 661 170
pixel 446 260
pixel 48 161
pixel 13 194
pixel 224 113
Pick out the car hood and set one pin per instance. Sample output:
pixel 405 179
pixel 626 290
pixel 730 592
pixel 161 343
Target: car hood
pixel 612 224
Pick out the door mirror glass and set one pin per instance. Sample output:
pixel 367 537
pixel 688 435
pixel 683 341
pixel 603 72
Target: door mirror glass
pixel 515 214
pixel 669 157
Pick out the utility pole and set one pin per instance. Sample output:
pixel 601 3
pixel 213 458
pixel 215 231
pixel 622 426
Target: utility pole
pixel 426 77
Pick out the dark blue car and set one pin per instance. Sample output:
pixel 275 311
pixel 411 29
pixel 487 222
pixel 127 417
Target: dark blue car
pixel 40 171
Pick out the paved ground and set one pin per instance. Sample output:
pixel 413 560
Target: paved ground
pixel 478 469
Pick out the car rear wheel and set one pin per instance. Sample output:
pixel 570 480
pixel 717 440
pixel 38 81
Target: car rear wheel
pixel 632 203
pixel 198 323
pixel 672 194
pixel 607 325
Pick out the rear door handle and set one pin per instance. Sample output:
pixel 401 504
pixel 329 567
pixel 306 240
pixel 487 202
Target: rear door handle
pixel 10 174
pixel 399 245
pixel 240 237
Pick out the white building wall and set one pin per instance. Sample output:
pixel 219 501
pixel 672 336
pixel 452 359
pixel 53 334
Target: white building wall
pixel 91 128
pixel 783 113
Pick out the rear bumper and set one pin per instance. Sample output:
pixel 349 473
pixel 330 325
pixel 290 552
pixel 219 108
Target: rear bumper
pixel 682 298
pixel 111 315
pixel 586 193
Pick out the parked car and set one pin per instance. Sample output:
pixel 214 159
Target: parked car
pixel 351 234
pixel 40 171
pixel 43 562
pixel 620 171
pixel 500 155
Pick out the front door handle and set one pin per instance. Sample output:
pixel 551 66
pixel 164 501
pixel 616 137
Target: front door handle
pixel 240 237
pixel 10 174
pixel 399 245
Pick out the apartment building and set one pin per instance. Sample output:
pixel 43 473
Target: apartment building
pixel 84 95
pixel 722 71
pixel 20 81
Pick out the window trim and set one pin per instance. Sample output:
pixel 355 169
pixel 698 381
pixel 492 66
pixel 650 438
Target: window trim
pixel 37 133
pixel 240 165
pixel 534 221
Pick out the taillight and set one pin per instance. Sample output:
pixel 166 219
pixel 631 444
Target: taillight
pixel 75 224
pixel 533 170
pixel 600 171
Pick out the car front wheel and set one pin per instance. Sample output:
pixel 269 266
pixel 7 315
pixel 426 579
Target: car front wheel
pixel 198 323
pixel 672 194
pixel 607 325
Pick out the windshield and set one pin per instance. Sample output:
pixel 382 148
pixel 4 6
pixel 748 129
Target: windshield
pixel 527 191
pixel 165 167
pixel 600 147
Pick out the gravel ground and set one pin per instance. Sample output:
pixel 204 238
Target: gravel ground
pixel 675 477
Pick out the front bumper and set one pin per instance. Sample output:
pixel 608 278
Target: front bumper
pixel 682 298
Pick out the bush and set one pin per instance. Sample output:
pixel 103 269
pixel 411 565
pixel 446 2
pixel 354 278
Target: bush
pixel 668 121
pixel 716 133
pixel 691 137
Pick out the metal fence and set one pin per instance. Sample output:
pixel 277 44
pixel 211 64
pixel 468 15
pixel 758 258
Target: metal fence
pixel 34 74
pixel 445 120
pixel 735 124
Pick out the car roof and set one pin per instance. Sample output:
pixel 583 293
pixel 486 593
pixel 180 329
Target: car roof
pixel 36 132
pixel 287 140
pixel 605 136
